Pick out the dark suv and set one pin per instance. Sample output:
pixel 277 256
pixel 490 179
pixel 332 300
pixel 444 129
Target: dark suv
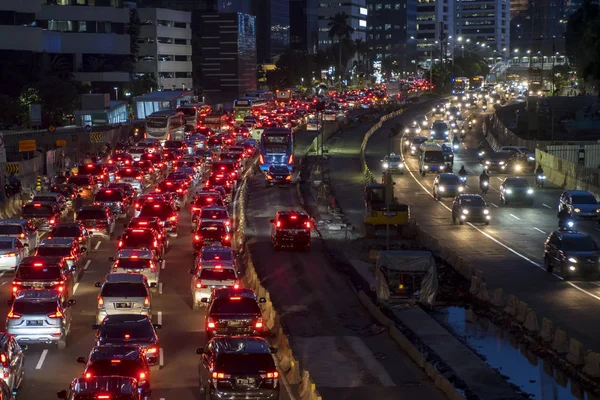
pixel 97 219
pixel 233 311
pixel 238 367
pixel 573 253
pixel 290 229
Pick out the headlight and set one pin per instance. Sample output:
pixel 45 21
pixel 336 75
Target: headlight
pixel 529 191
pixel 385 165
pixel 517 167
pixel 531 158
pixel 486 212
pixel 434 109
pixel 577 210
pixel 441 188
pixel 442 167
pixel 413 148
pixel 572 260
pixel 465 212
pixel 461 189
pixel 425 166
pixel 487 162
pixel 407 141
pixel 508 191
pixel 406 130
pixel 571 268
pixel 501 163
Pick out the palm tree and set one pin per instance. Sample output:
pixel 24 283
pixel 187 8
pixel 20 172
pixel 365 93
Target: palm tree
pixel 362 51
pixel 340 28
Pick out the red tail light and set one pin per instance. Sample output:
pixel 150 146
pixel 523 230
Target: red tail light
pixel 218 375
pixel 152 350
pixel 120 243
pixel 211 324
pixel 142 376
pixel 288 178
pixel 12 315
pixel 236 285
pixel 173 218
pixel 11 254
pixel 226 238
pixel 308 225
pixel 258 324
pixel 100 302
pixel 198 285
pixel 278 224
pixel 196 237
pixel 57 314
pixel 52 221
pixel 147 301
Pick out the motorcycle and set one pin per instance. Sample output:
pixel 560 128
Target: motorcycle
pixel 12 190
pixel 539 180
pixel 480 154
pixel 484 186
pixel 463 134
pixel 463 180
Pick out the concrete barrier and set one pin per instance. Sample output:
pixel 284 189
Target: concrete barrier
pixel 531 322
pixel 547 332
pixel 511 305
pixel 293 375
pixel 522 310
pixel 559 341
pixel 483 294
pixel 475 283
pixel 575 355
pixel 374 310
pixel 498 300
pixel 592 364
pixel 304 384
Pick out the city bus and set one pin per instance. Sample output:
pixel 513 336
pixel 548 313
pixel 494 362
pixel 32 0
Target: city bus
pixel 244 107
pixel 460 85
pixel 283 97
pixel 216 122
pixel 165 125
pixel 265 95
pixel 477 82
pixel 194 114
pixel 276 148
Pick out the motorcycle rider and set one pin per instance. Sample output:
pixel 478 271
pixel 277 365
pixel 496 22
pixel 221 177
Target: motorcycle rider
pixel 539 171
pixel 563 216
pixel 484 182
pixel 462 173
pixel 13 180
pixel 448 168
pixel 455 142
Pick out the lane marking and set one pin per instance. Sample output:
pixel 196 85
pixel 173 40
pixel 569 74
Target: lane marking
pixel 98 245
pixel 161 357
pixel 2 274
pixel 514 216
pixel 163 264
pixel 546 205
pixel 75 287
pixel 160 289
pixel 159 318
pixel 539 230
pixel 500 179
pixel 42 358
pixel 495 205
pixel 87 264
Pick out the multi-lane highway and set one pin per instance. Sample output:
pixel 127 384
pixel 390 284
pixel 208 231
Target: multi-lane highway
pixel 349 356
pixel 510 250
pixel 49 370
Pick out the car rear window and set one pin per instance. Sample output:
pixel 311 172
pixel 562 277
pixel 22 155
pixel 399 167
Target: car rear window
pixel 80 180
pixel 208 255
pixel 54 251
pixel 164 211
pixel 30 210
pixel 214 274
pixel 245 363
pixel 129 263
pixel 4 245
pixel 11 229
pixel 123 289
pixel 137 330
pixel 129 173
pixel 109 195
pixel 217 167
pixel 213 214
pixel 34 307
pixel 242 306
pixel 212 229
pixel 138 239
pixel 289 222
pixel 92 214
pixel 66 231
pixel 109 368
pixel 44 198
pixel 43 273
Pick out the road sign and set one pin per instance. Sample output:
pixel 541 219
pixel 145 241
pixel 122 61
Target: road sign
pixel 14 168
pixel 99 118
pixel 88 128
pixel 61 143
pixel 27 145
pixel 51 128
pixel 97 137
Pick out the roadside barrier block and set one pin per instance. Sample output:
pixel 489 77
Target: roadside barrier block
pixel 547 332
pixel 522 310
pixel 479 273
pixel 285 361
pixel 559 342
pixel 576 354
pixel 475 283
pixel 498 299
pixel 511 305
pixel 278 338
pixel 304 384
pixel 407 346
pixel 592 364
pixel 531 322
pixel 374 310
pixel 293 375
pixel 483 294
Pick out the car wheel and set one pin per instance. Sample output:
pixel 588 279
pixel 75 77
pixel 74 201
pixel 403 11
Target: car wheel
pixel 487 222
pixel 548 265
pixel 453 220
pixel 461 222
pixel 565 273
pixel 61 344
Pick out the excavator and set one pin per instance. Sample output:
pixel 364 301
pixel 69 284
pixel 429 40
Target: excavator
pixel 378 213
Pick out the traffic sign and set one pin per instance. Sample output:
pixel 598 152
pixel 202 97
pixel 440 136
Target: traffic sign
pixel 97 137
pixel 61 143
pixel 1 140
pixel 51 128
pixel 27 145
pixel 88 128
pixel 14 168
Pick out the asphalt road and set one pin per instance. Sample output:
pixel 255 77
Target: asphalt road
pixel 510 250
pixel 49 370
pixel 349 357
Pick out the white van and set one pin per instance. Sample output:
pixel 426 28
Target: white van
pixel 431 158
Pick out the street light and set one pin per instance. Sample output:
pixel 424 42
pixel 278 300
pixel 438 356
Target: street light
pixel 116 93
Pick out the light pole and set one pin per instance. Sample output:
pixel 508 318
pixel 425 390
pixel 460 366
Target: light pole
pixel 116 93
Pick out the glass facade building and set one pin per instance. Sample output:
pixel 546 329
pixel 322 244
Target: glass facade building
pixel 273 28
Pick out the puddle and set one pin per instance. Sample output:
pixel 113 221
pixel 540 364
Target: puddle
pixel 502 352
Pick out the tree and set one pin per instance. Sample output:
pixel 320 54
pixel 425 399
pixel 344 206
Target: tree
pixel 470 66
pixel 133 30
pixel 576 31
pixel 340 28
pixel 362 53
pixel 560 78
pixel 59 98
pixel 28 96
pixel 142 85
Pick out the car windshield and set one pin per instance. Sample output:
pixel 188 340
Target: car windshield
pixel 54 251
pixel 11 229
pixel 136 330
pixel 472 201
pixel 214 255
pixel 433 156
pixel 33 273
pixel 242 305
pixel 583 199
pixel 449 180
pixel 133 263
pixel 34 307
pixel 31 210
pixel 109 195
pixel 213 274
pixel 245 363
pixel 580 243
pixel 123 289
pixel 91 214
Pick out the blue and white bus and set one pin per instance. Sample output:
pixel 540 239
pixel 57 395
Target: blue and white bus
pixel 276 148
pixel 165 125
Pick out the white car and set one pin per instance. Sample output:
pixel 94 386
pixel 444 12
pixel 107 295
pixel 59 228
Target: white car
pixel 314 125
pixel 12 251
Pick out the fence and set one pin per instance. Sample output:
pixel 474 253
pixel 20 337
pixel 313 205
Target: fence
pixel 567 174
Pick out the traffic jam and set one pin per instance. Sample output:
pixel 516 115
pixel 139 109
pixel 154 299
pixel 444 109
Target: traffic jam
pixel 134 198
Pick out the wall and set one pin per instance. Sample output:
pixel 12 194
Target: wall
pixel 569 175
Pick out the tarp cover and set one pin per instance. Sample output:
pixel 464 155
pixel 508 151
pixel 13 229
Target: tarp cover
pixel 404 274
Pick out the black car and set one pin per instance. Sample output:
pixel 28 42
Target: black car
pixel 103 387
pixel 130 329
pixel 238 367
pixel 278 175
pixel 500 162
pixel 573 253
pixel 291 229
pixel 233 311
pixel 516 190
pixel 470 208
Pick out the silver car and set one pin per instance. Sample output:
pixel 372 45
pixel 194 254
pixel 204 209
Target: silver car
pixel 39 316
pixel 12 251
pixel 58 198
pixel 22 229
pixel 137 261
pixel 12 361
pixel 123 294
pixel 207 278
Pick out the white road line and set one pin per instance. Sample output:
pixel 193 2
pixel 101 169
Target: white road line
pixel 547 206
pixel 2 274
pixel 97 245
pixel 161 357
pixel 159 318
pixel 514 216
pixel 87 264
pixel 160 288
pixel 75 287
pixel 500 179
pixel 163 264
pixel 495 205
pixel 41 360
pixel 539 230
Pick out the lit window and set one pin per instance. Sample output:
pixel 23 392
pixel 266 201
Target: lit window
pixel 378 6
pixel 363 11
pixel 362 23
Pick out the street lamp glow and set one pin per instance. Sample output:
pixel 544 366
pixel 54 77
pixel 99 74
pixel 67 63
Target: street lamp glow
pixel 516 50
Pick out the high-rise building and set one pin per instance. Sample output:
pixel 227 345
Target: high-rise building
pixel 88 41
pixel 541 27
pixel 165 47
pixel 435 25
pixel 272 28
pixel 390 28
pixel 486 22
pixel 304 27
pixel 357 12
pixel 228 43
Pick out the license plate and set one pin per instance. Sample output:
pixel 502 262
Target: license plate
pixel 235 323
pixel 245 382
pixel 34 323
pixel 134 271
pixel 37 285
pixel 392 214
pixel 122 305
